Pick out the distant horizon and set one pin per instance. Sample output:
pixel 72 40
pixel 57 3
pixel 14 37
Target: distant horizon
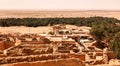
pixel 59 4
pixel 57 10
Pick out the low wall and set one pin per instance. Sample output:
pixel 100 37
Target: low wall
pixel 61 62
pixel 79 56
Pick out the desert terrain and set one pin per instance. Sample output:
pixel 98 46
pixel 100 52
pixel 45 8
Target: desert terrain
pixel 53 14
pixel 24 30
pixel 62 49
pixel 59 49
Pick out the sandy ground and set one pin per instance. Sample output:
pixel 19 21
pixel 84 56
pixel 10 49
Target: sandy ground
pixel 23 29
pixel 52 14
pixel 35 30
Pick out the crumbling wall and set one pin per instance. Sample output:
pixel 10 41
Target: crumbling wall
pixel 62 62
pixel 29 49
pixel 32 58
pixel 79 56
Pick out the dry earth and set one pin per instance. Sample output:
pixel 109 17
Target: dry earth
pixel 52 14
pixel 35 30
pixel 23 29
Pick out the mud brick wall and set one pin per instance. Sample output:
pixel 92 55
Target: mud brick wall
pixel 79 56
pixel 62 62
pixel 32 58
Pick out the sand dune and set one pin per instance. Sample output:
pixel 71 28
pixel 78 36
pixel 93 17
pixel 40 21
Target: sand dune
pixel 52 14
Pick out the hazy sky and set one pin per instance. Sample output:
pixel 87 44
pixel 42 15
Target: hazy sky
pixel 61 4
